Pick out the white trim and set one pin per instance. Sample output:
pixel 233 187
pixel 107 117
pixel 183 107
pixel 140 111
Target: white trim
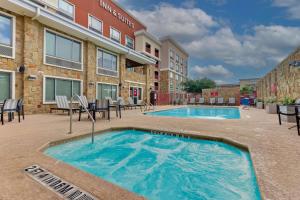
pixel 66 36
pixel 12 82
pixel 58 77
pixel 106 83
pixel 181 74
pixel 13 46
pixel 133 82
pixel 111 27
pixel 126 39
pixel 112 53
pixel 90 15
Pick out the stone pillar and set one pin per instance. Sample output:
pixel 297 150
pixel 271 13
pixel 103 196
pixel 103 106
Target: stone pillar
pixel 123 90
pixel 149 72
pixel 91 67
pixel 33 54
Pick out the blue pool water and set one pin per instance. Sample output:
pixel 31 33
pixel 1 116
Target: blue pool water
pixel 161 167
pixel 200 112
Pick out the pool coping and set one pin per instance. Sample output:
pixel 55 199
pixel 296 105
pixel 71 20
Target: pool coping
pixel 182 133
pixel 204 106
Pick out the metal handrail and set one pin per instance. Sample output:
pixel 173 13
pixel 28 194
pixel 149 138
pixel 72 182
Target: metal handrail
pixel 85 108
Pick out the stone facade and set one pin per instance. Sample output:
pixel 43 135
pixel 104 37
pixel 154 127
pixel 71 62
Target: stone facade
pixel 283 81
pixel 223 91
pixel 29 52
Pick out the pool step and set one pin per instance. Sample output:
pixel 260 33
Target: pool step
pixel 169 134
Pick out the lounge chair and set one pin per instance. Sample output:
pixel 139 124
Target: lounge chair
pixel 201 100
pixel 84 105
pixel 231 101
pixel 139 103
pixel 62 104
pixel 192 101
pixel 102 106
pixel 11 106
pixel 212 101
pixel 220 100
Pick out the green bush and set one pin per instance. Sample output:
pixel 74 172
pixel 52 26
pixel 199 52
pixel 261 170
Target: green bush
pixel 288 101
pixel 271 100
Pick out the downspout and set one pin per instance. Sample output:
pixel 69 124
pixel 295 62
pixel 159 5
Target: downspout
pixel 37 14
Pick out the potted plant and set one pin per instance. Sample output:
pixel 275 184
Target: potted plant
pixel 271 106
pixel 289 108
pixel 259 104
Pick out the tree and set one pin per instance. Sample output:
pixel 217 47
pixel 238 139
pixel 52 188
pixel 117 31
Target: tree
pixel 196 86
pixel 247 90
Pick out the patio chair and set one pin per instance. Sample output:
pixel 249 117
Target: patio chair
pixel 297 111
pixel 131 103
pixel 220 100
pixel 212 101
pixel 10 106
pixel 192 101
pixel 84 105
pixel 114 105
pixel 141 104
pixel 231 101
pixel 102 106
pixel 62 104
pixel 201 100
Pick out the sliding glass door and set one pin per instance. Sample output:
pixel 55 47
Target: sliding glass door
pixel 5 86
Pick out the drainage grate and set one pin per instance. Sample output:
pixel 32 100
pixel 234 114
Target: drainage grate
pixel 56 184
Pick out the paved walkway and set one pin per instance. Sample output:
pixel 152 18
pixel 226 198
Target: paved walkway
pixel 275 151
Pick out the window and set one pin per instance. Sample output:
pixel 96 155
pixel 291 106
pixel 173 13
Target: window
pixel 115 35
pixel 7 24
pixel 177 58
pixel 157 53
pixel 60 87
pixel 107 90
pixel 66 9
pixel 171 74
pixel 172 65
pixel 148 47
pixel 171 86
pixel 62 51
pixel 177 67
pixel 129 42
pixel 177 78
pixel 107 63
pixel 171 54
pixel 95 24
pixel 7 85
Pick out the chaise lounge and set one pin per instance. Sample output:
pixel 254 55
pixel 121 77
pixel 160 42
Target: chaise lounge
pixel 63 105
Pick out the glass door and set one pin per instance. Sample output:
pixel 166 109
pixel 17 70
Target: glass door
pixel 5 85
pixel 136 94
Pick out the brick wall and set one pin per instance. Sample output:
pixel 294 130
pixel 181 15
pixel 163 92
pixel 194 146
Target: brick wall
pixel 225 92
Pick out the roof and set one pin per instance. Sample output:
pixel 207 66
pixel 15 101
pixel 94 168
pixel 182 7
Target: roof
pixel 249 79
pixel 173 41
pixel 229 85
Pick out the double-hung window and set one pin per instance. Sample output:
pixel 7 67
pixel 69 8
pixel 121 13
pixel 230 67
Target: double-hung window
pixel 107 90
pixel 66 9
pixel 62 51
pixel 6 85
pixel 115 35
pixel 60 87
pixel 107 63
pixel 7 40
pixel 129 42
pixel 95 24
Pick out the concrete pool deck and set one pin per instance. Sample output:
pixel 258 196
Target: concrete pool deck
pixel 275 151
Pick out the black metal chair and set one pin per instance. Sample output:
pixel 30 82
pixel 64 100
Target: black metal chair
pixel 297 111
pixel 290 113
pixel 102 106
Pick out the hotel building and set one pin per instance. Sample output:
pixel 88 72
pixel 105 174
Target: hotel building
pixel 60 47
pixel 173 70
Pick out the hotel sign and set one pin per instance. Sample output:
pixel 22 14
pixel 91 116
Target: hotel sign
pixel 116 14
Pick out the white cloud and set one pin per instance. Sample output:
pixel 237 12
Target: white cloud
pixel 180 22
pixel 211 71
pixel 292 6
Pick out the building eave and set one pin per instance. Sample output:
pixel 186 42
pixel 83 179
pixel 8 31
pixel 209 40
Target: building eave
pixel 30 9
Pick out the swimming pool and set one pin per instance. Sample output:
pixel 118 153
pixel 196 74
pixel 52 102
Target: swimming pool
pixel 161 167
pixel 200 112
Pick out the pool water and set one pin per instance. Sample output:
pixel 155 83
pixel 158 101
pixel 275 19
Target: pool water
pixel 200 112
pixel 161 167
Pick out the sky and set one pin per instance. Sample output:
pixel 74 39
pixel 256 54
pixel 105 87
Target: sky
pixel 227 40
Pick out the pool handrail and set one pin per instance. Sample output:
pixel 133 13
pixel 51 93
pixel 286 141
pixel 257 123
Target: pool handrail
pixel 86 109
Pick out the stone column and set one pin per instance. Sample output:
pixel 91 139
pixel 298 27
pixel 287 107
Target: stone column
pixel 149 72
pixel 91 67
pixel 123 90
pixel 33 57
